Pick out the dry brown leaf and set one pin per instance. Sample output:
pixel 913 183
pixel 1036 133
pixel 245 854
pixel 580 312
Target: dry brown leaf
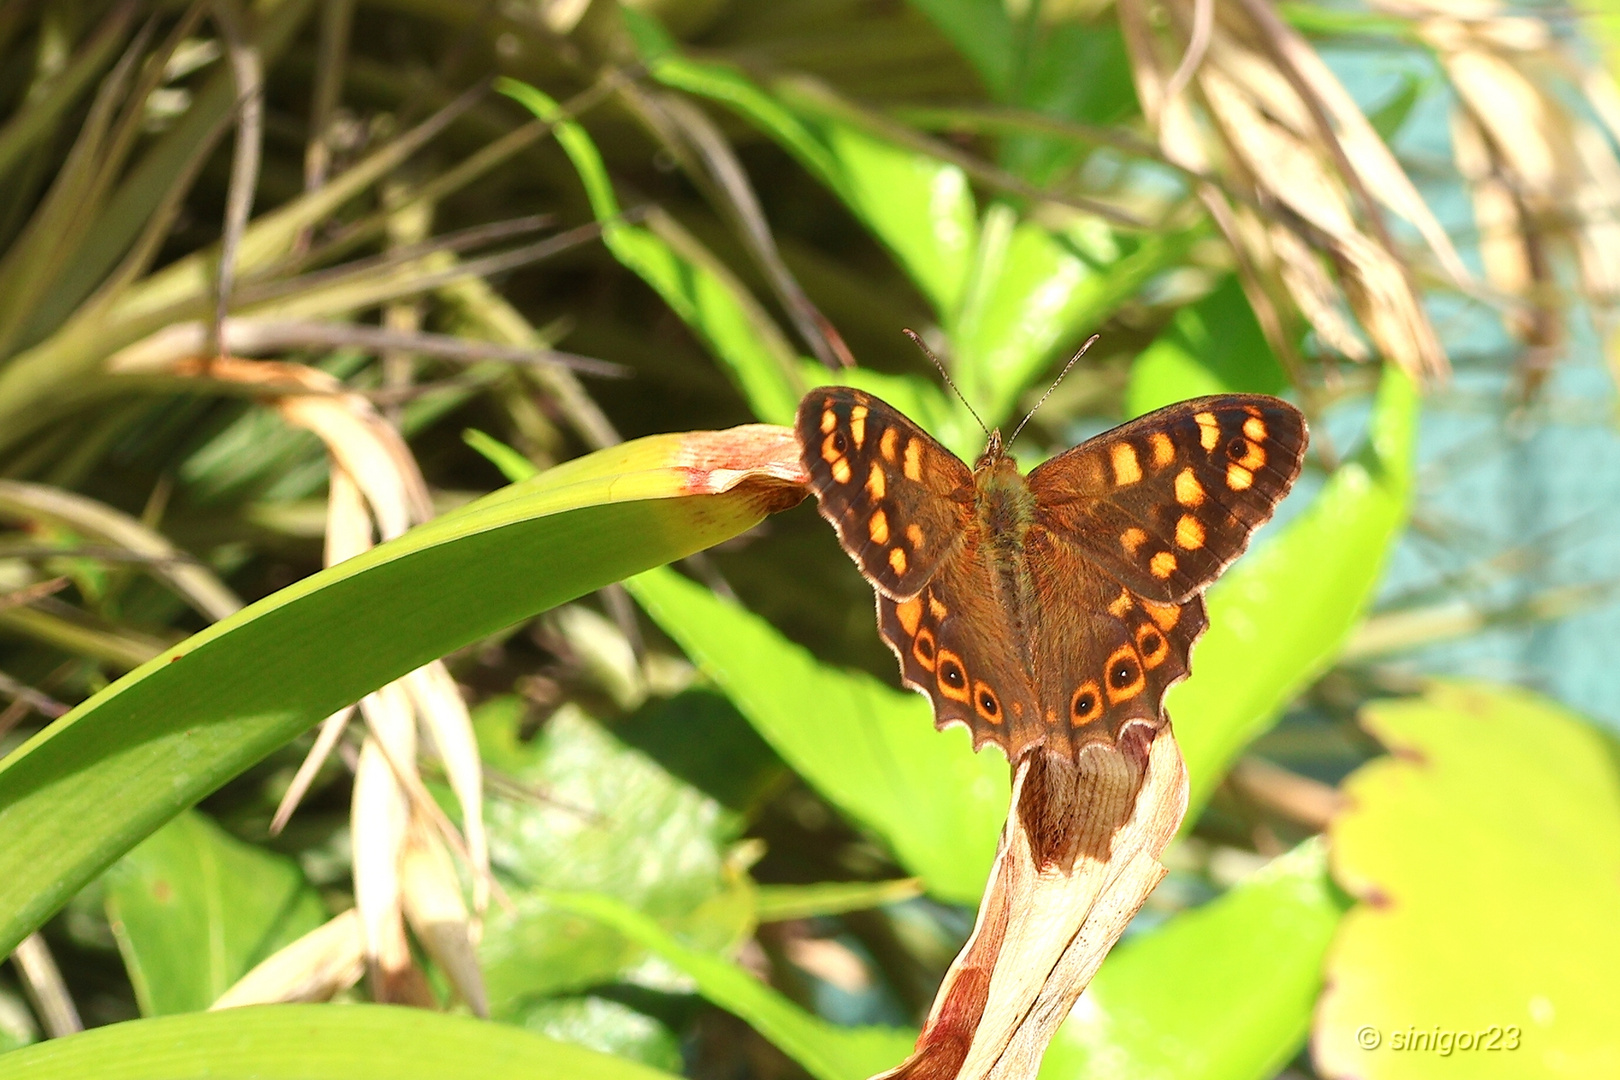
pixel 439 917
pixel 324 962
pixel 1078 856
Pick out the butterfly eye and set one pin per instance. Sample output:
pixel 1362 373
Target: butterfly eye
pixel 1122 674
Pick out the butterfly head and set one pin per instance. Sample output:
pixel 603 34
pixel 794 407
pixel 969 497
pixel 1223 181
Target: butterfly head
pixel 993 452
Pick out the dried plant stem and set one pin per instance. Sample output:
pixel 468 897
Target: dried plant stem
pixel 1078 857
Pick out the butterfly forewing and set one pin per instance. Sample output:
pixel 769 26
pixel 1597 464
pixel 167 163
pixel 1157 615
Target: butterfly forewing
pixel 1164 503
pixel 1055 609
pixel 900 501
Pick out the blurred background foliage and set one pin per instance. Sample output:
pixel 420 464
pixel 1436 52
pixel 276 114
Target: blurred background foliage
pixel 280 280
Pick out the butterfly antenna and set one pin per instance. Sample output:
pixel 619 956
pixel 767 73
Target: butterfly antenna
pixel 917 340
pixel 1073 360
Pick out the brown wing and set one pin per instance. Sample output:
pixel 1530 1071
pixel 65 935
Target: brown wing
pixel 956 643
pixel 1164 503
pixel 1104 656
pixel 899 500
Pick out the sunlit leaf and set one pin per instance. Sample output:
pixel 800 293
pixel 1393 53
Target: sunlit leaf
pixel 1486 858
pixel 168 733
pixel 314 1042
pixel 194 909
pixel 612 821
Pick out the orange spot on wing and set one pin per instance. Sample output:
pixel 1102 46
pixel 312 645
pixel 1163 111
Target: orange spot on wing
pixel 1253 456
pixel 1189 533
pixel 877 526
pixel 1164 616
pixel 840 471
pixel 857 425
pixel 1238 478
pixel 876 484
pixel 1162 565
pixel 909 612
pixel 1127 468
pixel 1164 451
pixel 889 444
pixel 897 561
pixel 1255 428
pixel 937 608
pixel 1121 604
pixel 913 465
pixel 1209 430
pixel 829 420
pixel 1131 539
pixel 914 534
pixel 1189 492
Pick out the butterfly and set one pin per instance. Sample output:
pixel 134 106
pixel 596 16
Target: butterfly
pixel 1054 609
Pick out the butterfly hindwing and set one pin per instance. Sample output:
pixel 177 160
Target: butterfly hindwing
pixel 1167 501
pixel 899 500
pixel 956 645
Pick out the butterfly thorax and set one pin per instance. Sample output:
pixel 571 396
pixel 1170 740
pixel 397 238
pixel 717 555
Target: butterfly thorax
pixel 1005 508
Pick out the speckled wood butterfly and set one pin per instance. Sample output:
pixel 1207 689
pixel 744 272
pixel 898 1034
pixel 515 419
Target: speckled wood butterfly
pixel 1051 609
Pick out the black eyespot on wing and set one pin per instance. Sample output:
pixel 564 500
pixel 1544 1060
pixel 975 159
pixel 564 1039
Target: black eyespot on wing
pixel 1122 674
pixel 1151 644
pixel 1084 705
pixel 841 444
pixel 951 672
pixel 988 703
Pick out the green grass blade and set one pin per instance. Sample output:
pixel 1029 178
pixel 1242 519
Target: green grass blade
pixel 921 208
pixel 96 782
pixel 695 285
pixel 313 1042
pixel 827 1052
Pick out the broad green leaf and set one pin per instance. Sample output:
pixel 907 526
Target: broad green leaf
pixel 96 782
pixel 1280 616
pixel 695 285
pixel 1034 291
pixel 920 207
pixel 827 1052
pixel 603 1024
pixel 1223 992
pixel 313 1042
pixel 194 909
pixel 1212 347
pixel 871 750
pixel 1486 856
pixel 613 821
